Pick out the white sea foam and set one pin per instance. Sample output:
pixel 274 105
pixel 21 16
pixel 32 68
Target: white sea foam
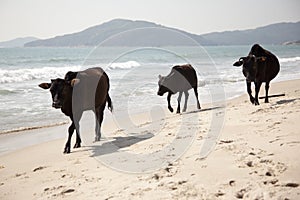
pixel 292 59
pixel 28 74
pixel 124 65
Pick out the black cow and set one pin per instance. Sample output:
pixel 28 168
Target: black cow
pixel 78 92
pixel 181 79
pixel 258 67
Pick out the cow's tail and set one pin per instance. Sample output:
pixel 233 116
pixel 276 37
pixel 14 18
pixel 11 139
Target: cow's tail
pixel 109 103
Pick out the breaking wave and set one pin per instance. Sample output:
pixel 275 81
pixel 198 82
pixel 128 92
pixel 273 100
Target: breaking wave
pixel 28 74
pixel 124 65
pixel 292 59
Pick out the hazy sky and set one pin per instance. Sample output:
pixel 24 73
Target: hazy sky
pixel 49 18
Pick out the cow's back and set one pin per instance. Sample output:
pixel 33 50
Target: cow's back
pixel 188 72
pixel 92 89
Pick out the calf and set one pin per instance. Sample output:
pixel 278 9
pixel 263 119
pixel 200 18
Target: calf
pixel 181 79
pixel 78 92
pixel 258 67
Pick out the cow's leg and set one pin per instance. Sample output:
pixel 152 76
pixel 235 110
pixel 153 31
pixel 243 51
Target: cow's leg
pixel 68 143
pixel 178 101
pixel 97 128
pixel 77 127
pixel 186 95
pixel 196 94
pixel 257 88
pixel 250 91
pixel 99 120
pixel 267 86
pixel 169 102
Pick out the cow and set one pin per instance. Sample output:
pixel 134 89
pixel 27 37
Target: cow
pixel 259 66
pixel 78 92
pixel 181 79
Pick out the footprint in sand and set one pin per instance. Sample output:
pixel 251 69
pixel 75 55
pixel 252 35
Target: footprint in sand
pixel 20 174
pixel 66 191
pixel 39 168
pixel 53 188
pixel 249 163
pixel 273 181
pixel 168 171
pixel 49 190
pixel 294 185
pixel 293 143
pixel 225 141
pixel 232 183
pixel 219 194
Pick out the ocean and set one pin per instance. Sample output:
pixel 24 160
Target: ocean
pixel 133 73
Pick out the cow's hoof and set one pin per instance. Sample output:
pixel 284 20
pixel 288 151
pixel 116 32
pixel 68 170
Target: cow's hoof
pixel 256 103
pixel 67 150
pixel 170 109
pixel 77 145
pixel 252 100
pixel 97 139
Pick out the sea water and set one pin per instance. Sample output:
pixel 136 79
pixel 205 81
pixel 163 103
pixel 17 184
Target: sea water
pixel 133 73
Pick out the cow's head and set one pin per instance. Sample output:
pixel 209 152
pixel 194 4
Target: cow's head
pixel 162 89
pixel 59 89
pixel 250 65
pixel 70 75
pixel 257 50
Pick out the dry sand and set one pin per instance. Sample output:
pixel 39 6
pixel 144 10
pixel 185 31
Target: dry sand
pixel 256 156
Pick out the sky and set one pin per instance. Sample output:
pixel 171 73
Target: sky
pixel 50 18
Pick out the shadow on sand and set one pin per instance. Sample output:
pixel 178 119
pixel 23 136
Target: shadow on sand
pixel 108 147
pixel 286 101
pixel 203 110
pixel 117 143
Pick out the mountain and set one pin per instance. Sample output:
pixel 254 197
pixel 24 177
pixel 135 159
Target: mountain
pixel 125 33
pixel 272 34
pixel 18 42
pixel 122 32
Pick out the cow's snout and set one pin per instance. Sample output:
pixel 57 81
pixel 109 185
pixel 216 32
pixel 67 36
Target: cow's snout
pixel 56 105
pixel 160 93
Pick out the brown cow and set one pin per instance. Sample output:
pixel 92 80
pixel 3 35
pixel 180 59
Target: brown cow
pixel 78 92
pixel 181 79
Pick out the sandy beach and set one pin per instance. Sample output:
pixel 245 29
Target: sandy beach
pixel 254 156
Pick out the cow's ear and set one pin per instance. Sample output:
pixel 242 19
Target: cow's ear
pixel 238 63
pixel 159 77
pixel 45 85
pixel 74 82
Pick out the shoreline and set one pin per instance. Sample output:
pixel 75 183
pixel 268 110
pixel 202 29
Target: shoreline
pixel 65 119
pixel 23 129
pixel 112 119
pixel 253 158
